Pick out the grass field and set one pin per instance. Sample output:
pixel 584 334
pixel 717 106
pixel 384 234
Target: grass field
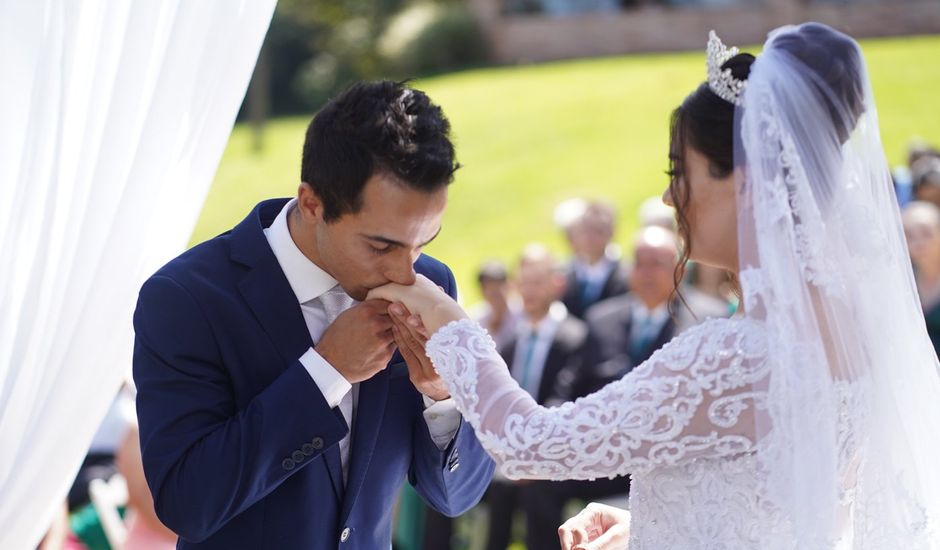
pixel 531 136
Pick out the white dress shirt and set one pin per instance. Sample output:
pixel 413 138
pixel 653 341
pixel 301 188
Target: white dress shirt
pixel 595 276
pixel 309 282
pixel 534 351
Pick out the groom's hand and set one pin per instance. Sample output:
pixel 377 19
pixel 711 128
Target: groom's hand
pixel 360 342
pixel 411 340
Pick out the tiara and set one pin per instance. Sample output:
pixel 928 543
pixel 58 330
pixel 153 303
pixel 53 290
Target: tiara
pixel 722 82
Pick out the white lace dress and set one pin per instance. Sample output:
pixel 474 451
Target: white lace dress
pixel 675 423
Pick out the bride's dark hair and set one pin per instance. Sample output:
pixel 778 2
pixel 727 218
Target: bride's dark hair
pixel 706 122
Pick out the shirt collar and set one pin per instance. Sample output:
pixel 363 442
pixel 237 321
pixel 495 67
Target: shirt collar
pixel 557 313
pixel 658 315
pixel 595 272
pixel 306 279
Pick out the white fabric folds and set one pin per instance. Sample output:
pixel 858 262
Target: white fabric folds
pixel 113 118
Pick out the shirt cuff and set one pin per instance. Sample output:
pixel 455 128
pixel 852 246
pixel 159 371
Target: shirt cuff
pixel 443 420
pixel 332 384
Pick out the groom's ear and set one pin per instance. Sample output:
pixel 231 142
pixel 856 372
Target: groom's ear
pixel 309 204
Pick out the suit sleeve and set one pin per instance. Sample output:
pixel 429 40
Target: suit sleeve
pixel 453 480
pixel 206 457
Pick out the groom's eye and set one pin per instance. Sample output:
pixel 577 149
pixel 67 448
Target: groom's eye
pixel 379 250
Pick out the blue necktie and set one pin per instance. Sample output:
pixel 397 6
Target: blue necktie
pixel 590 291
pixel 527 362
pixel 642 335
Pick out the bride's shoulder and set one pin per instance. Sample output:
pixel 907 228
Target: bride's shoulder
pixel 715 340
pixel 724 327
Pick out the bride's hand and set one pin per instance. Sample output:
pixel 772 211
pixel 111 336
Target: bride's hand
pixel 426 301
pixel 597 527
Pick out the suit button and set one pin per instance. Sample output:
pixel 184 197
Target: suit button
pixel 297 456
pixel 288 464
pixel 317 443
pixel 344 536
pixel 307 449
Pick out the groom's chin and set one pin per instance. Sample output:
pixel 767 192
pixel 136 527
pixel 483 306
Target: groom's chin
pixel 358 294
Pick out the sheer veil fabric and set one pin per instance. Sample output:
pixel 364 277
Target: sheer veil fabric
pixel 850 422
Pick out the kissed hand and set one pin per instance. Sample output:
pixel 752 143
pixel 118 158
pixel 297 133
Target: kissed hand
pixel 425 300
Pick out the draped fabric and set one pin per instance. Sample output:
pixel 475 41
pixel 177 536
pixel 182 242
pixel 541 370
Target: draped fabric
pixel 113 118
pixel 825 267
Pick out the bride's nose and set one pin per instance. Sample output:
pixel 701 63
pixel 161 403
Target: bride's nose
pixel 667 197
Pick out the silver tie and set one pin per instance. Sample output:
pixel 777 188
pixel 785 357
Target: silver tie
pixel 334 302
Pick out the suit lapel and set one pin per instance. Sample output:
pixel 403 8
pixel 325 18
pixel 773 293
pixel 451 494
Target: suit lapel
pixel 274 304
pixel 370 409
pixel 509 353
pixel 264 286
pixel 553 364
pixel 665 334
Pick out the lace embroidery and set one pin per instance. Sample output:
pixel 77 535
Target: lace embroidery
pixel 684 403
pixel 681 423
pixel 788 199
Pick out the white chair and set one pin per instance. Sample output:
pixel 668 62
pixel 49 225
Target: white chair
pixel 107 497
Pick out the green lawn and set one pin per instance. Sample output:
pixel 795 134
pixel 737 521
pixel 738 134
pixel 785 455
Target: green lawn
pixel 531 136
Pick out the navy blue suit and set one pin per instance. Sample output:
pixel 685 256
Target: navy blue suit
pixel 240 448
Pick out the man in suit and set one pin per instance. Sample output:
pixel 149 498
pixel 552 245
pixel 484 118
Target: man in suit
pixel 499 312
pixel 595 272
pixel 264 375
pixel 547 342
pixel 624 331
pixel 627 329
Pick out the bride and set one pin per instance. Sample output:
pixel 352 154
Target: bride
pixel 809 421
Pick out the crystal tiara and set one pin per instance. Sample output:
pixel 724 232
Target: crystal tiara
pixel 722 82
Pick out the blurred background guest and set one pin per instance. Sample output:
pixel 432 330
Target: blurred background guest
pixel 594 272
pixel 902 174
pixel 499 312
pixel 99 461
pixel 925 173
pixel 922 229
pixel 653 211
pixel 144 530
pixel 547 342
pixel 623 332
pixel 712 281
pixel 626 330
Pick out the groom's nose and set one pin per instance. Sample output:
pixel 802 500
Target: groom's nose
pixel 401 270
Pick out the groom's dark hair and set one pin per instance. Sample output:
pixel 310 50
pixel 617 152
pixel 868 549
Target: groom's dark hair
pixel 376 127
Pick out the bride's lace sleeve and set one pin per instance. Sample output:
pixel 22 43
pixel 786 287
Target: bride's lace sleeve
pixel 689 400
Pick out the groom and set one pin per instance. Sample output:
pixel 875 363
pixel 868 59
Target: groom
pixel 274 409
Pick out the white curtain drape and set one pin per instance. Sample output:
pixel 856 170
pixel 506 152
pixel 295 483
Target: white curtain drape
pixel 113 117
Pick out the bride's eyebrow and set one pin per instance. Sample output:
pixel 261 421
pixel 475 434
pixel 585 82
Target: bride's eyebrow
pixel 393 242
